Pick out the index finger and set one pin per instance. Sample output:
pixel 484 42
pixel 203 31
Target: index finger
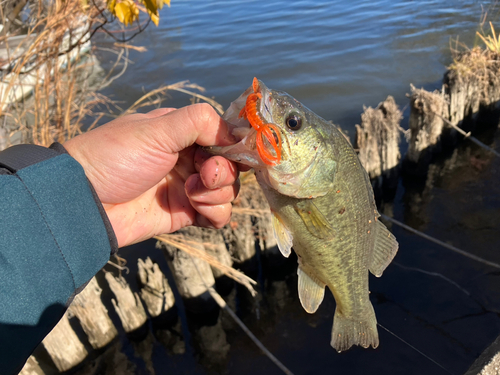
pixel 197 123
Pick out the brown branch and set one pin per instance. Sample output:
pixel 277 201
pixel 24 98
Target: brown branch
pixel 9 19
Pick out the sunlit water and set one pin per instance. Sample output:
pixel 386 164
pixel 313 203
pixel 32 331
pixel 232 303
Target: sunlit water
pixel 336 57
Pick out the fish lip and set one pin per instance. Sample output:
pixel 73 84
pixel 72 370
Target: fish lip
pixel 244 151
pixel 240 152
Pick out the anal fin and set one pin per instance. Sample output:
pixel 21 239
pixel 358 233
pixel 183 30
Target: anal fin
pixel 384 251
pixel 282 235
pixel 311 291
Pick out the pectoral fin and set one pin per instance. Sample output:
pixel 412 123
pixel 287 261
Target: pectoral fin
pixel 314 220
pixel 282 235
pixel 311 291
pixel 384 251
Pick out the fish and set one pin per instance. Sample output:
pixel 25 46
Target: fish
pixel 322 205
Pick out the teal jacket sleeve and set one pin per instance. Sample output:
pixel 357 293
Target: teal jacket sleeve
pixel 54 237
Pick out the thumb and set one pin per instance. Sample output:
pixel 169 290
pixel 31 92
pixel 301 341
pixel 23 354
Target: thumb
pixel 197 123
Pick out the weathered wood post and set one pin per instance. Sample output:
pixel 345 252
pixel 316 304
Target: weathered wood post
pixel 253 204
pixel 214 244
pixel 488 362
pixel 377 140
pixel 64 346
pixel 192 275
pixel 155 291
pixel 428 114
pixel 471 82
pixel 32 367
pixel 240 235
pixel 93 315
pixel 127 304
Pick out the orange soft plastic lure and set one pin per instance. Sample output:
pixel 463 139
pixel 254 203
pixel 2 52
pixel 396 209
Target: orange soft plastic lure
pixel 269 131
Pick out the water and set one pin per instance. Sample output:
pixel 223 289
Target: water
pixel 335 57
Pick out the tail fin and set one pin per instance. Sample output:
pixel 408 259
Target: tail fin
pixel 361 330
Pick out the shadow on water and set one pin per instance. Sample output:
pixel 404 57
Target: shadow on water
pixel 17 350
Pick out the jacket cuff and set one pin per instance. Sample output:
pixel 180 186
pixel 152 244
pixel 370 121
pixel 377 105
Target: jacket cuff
pixel 113 242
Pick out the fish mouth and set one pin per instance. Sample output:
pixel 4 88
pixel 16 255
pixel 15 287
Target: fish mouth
pixel 244 151
pixel 265 103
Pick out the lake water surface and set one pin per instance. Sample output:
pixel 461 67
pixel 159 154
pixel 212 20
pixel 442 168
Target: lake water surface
pixel 336 57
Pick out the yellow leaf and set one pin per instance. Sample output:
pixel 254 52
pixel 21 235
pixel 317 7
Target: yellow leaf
pixel 155 19
pixel 126 12
pixel 151 6
pixel 159 3
pixel 111 6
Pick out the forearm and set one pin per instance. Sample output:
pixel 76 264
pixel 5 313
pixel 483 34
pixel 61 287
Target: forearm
pixel 54 237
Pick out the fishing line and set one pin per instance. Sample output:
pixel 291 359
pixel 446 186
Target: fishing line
pixel 444 244
pixel 223 305
pixel 418 351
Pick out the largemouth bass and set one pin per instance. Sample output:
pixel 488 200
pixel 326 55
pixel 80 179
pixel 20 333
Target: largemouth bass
pixel 322 205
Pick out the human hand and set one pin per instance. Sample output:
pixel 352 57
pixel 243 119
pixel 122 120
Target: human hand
pixel 152 177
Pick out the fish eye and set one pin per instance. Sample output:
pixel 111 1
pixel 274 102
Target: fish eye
pixel 294 121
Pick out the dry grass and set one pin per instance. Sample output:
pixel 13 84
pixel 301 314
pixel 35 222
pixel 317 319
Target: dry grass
pixel 476 62
pixel 49 64
pixel 491 41
pixel 186 246
pixel 45 94
pixel 156 97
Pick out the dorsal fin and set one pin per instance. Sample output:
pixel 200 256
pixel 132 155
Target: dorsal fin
pixel 384 251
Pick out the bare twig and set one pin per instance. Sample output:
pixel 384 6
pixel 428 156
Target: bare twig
pixel 109 78
pixel 135 48
pixel 181 86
